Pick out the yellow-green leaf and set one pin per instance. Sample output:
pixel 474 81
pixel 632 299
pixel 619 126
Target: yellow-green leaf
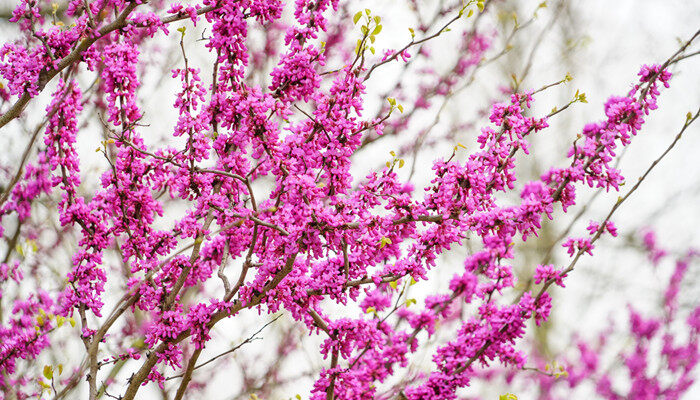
pixel 357 17
pixel 48 372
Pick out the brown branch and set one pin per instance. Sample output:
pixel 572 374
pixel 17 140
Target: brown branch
pixel 137 378
pixel 46 75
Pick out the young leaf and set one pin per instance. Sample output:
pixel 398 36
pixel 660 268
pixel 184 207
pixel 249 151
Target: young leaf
pixel 357 17
pixel 48 372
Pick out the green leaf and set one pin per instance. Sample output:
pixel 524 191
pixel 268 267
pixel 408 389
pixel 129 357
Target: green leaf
pixel 391 101
pixel 410 301
pixel 357 17
pixel 393 284
pixel 60 320
pixel 364 29
pixel 72 321
pixel 48 372
pixel 400 107
pixel 370 310
pixel 376 30
pixel 384 241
